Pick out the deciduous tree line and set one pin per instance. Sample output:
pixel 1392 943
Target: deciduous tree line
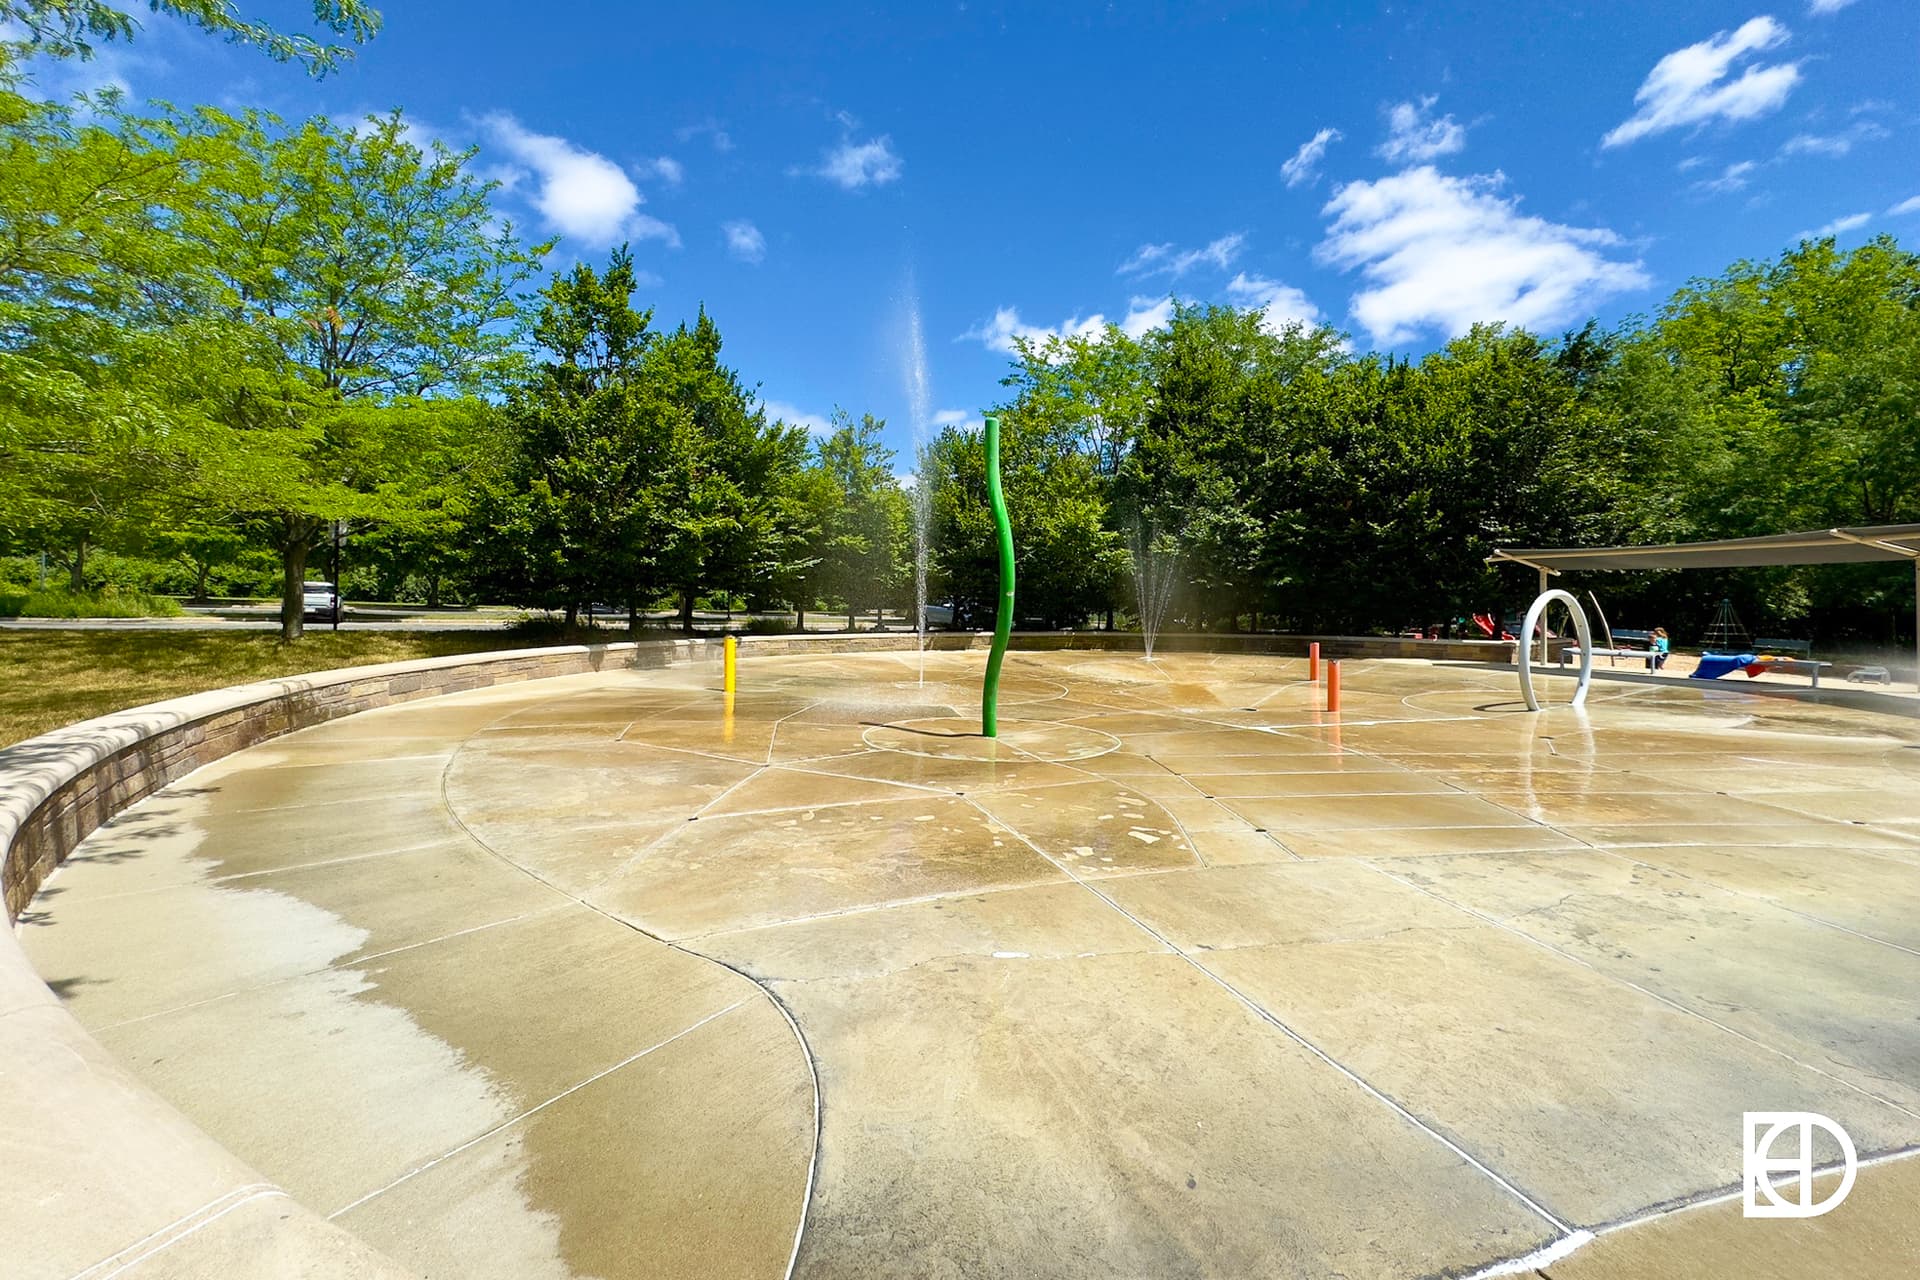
pixel 1308 486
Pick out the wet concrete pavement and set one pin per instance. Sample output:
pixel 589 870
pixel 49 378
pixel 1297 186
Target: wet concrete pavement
pixel 603 976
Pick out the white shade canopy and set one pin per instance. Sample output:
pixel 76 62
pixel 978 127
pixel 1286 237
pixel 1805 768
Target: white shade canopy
pixel 1817 546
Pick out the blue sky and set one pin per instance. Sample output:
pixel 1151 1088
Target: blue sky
pixel 813 173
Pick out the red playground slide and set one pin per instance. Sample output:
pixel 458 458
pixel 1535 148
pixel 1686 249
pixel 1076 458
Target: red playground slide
pixel 1488 628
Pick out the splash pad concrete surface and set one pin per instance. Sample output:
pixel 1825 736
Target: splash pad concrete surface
pixel 599 976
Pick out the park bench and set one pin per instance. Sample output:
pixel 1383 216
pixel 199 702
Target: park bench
pixel 1804 666
pixel 1599 651
pixel 1802 647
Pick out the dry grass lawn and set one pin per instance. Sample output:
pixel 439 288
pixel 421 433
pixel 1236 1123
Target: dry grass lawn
pixel 53 678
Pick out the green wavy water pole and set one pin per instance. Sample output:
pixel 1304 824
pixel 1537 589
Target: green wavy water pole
pixel 1003 624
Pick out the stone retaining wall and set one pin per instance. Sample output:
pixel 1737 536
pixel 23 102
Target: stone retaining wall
pixel 56 789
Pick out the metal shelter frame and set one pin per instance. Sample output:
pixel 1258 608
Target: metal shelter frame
pixel 1860 545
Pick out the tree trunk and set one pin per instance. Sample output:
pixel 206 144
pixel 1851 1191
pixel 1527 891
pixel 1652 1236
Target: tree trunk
pixel 433 591
pixel 573 613
pixel 293 577
pixel 851 624
pixel 633 618
pixel 799 618
pixel 77 576
pixel 200 572
pixel 1109 617
pixel 686 611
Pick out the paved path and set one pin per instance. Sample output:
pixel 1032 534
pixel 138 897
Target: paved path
pixel 605 977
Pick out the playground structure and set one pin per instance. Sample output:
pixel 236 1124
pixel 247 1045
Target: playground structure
pixel 1536 623
pixel 1856 545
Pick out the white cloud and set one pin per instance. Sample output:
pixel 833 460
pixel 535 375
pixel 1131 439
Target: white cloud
pixel 1820 8
pixel 1733 178
pixel 709 129
pixel 582 194
pixel 1280 305
pixel 665 168
pixel 1838 226
pixel 1691 85
pixel 1304 167
pixel 1413 135
pixel 1832 144
pixel 853 165
pixel 1164 259
pixel 1443 253
pixel 957 418
pixel 744 240
pixel 1145 315
pixel 794 416
pixel 999 333
pixel 1910 205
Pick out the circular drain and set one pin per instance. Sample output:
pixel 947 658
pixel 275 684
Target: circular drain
pixel 952 738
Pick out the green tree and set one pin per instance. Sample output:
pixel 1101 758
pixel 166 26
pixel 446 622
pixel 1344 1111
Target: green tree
pixel 70 28
pixel 572 517
pixel 861 547
pixel 1213 445
pixel 361 280
pixel 722 509
pixel 98 337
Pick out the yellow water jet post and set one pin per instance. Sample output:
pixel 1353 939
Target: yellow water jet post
pixel 729 664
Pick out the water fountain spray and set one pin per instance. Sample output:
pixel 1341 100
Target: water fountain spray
pixel 1155 570
pixel 920 410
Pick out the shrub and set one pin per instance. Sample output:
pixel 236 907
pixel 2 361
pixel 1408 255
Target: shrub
pixel 106 603
pixel 769 627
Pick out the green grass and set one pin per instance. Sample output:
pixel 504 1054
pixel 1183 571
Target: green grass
pixel 91 604
pixel 53 678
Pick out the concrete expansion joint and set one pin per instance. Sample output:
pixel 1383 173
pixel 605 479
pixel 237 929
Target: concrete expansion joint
pixel 793 1025
pixel 341 966
pixel 179 1229
pixel 1650 994
pixel 233 881
pixel 1558 1251
pixel 1354 1077
pixel 1760 897
pixel 568 1092
pixel 813 1080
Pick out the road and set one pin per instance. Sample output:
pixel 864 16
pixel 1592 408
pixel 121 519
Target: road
pixel 265 618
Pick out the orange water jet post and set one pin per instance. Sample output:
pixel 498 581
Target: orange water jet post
pixel 1333 686
pixel 1313 661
